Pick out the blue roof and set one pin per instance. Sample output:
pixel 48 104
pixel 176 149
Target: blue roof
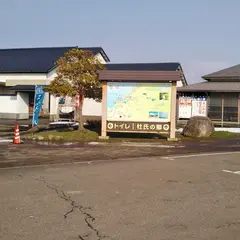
pixel 171 66
pixel 36 60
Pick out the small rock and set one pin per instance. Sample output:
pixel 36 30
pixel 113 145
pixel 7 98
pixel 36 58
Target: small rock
pixel 50 137
pixel 40 138
pixel 58 138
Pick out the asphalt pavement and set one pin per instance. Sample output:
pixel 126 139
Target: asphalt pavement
pixel 192 196
pixel 43 153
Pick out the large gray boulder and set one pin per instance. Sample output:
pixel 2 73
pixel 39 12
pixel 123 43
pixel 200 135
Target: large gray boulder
pixel 198 127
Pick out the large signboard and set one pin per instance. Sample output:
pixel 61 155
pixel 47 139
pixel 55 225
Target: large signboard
pixel 138 107
pixel 137 127
pixel 185 107
pixel 191 106
pixel 199 108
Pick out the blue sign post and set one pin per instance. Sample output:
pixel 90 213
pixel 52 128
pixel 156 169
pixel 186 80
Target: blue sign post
pixel 38 100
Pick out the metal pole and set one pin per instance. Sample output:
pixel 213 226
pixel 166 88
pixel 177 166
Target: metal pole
pixel 222 108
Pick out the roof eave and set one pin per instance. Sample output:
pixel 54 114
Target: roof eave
pixel 105 56
pixel 191 90
pixel 183 78
pixel 206 90
pixel 121 75
pixel 22 72
pixel 209 78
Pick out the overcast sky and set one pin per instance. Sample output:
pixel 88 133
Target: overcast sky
pixel 203 36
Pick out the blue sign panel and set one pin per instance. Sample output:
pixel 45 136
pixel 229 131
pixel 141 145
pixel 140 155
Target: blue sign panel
pixel 39 96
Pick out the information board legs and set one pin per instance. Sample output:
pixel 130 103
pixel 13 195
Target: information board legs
pixel 104 110
pixel 173 113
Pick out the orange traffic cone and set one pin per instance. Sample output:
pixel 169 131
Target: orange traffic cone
pixel 16 139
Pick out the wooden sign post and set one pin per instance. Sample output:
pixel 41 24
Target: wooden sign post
pixel 144 103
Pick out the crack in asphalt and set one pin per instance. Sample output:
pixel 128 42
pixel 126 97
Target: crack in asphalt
pixel 88 218
pixel 228 224
pixel 83 237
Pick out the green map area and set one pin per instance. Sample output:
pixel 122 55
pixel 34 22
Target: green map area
pixel 138 102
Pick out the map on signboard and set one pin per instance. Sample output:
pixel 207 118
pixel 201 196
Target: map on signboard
pixel 150 102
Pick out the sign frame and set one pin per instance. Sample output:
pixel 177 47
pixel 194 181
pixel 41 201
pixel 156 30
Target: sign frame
pixel 172 123
pixel 138 127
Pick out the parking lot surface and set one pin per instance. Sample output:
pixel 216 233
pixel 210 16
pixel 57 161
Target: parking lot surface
pixel 190 196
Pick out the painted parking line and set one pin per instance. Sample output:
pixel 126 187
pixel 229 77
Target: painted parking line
pixel 172 158
pixel 5 140
pixel 8 161
pixel 234 172
pixel 148 145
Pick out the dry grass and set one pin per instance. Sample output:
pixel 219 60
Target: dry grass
pixel 65 136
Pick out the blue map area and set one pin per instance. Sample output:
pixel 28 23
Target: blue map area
pixel 118 92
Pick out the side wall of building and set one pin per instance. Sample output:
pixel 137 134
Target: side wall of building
pixel 15 106
pixel 5 90
pixel 179 84
pixel 220 106
pixel 224 106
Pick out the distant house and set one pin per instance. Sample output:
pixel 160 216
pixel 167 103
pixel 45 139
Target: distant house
pixel 221 90
pixel 22 69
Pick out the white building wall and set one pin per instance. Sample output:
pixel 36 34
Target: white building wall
pixel 100 58
pixel 179 84
pixel 22 103
pixel 53 106
pixel 53 100
pixel 10 104
pixel 26 77
pixel 45 105
pixel 51 75
pixel 90 107
pixel 15 106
